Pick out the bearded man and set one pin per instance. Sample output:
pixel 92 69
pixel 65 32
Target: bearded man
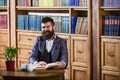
pixel 49 48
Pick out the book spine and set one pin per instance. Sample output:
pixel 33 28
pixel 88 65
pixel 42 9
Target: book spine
pixel 18 2
pixel 110 25
pixel 73 24
pixel 116 28
pixel 86 26
pixel 106 26
pixel 27 2
pixel 55 18
pixel 83 26
pixel 105 3
pixel 45 3
pixel 77 25
pixel 3 21
pixel 72 2
pixel 24 3
pixel 32 22
pixel 118 2
pixel 118 25
pixel 41 3
pixel 1 2
pixel 0 21
pixel 83 3
pixel 76 2
pixel 26 22
pixel 113 25
pixel 63 2
pixel 38 23
pixel 63 24
pixel 60 24
pixel 67 2
pixel 50 3
pixel 67 24
pixel 21 22
pixel 5 2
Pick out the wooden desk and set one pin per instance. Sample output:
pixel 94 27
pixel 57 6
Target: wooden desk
pixel 35 75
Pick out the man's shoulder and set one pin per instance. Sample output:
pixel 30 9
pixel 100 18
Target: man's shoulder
pixel 40 38
pixel 60 38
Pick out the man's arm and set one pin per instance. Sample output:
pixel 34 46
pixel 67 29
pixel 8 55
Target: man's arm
pixel 34 53
pixel 64 55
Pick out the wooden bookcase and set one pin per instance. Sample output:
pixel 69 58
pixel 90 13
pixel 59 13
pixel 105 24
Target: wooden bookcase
pixel 4 34
pixel 79 45
pixel 108 59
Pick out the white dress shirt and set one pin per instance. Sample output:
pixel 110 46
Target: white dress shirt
pixel 49 44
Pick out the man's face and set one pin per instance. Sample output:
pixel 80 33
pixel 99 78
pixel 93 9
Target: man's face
pixel 47 30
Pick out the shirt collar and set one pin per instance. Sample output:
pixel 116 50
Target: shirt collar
pixel 53 37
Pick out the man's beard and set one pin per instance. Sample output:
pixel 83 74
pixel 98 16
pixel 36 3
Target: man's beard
pixel 48 34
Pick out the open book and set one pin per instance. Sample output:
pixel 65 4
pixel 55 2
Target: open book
pixel 50 65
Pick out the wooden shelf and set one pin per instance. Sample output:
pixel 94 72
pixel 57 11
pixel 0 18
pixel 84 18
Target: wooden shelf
pixel 30 31
pixel 41 8
pixel 81 35
pixel 111 8
pixel 80 8
pixel 3 7
pixel 2 30
pixel 111 37
pixel 52 8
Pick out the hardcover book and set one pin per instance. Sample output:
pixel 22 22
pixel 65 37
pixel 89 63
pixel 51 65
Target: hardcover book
pixel 50 65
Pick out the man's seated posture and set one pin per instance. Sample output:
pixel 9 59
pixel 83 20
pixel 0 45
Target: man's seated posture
pixel 49 48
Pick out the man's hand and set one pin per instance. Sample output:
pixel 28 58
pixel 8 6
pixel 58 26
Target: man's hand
pixel 59 65
pixel 41 63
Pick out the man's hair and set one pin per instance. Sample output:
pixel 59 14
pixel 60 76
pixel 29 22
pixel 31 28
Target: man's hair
pixel 48 19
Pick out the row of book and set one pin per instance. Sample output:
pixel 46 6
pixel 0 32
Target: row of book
pixel 111 3
pixel 79 25
pixel 3 21
pixel 3 2
pixel 51 3
pixel 33 22
pixel 111 25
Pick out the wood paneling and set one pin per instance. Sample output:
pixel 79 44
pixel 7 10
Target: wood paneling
pixel 79 51
pixel 79 73
pixel 26 39
pixel 68 73
pixel 110 75
pixel 110 54
pixel 2 64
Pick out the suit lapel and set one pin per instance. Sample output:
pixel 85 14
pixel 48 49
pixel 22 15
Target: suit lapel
pixel 42 45
pixel 54 44
pixel 53 50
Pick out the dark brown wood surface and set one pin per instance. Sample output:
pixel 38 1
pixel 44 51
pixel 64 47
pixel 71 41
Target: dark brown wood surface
pixel 35 75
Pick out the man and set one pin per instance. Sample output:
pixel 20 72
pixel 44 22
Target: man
pixel 49 48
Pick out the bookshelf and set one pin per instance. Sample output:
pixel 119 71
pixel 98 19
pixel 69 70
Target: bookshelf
pixel 24 39
pixel 108 44
pixel 4 30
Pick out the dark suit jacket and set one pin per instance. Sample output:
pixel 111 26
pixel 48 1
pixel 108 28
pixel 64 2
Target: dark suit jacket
pixel 59 50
